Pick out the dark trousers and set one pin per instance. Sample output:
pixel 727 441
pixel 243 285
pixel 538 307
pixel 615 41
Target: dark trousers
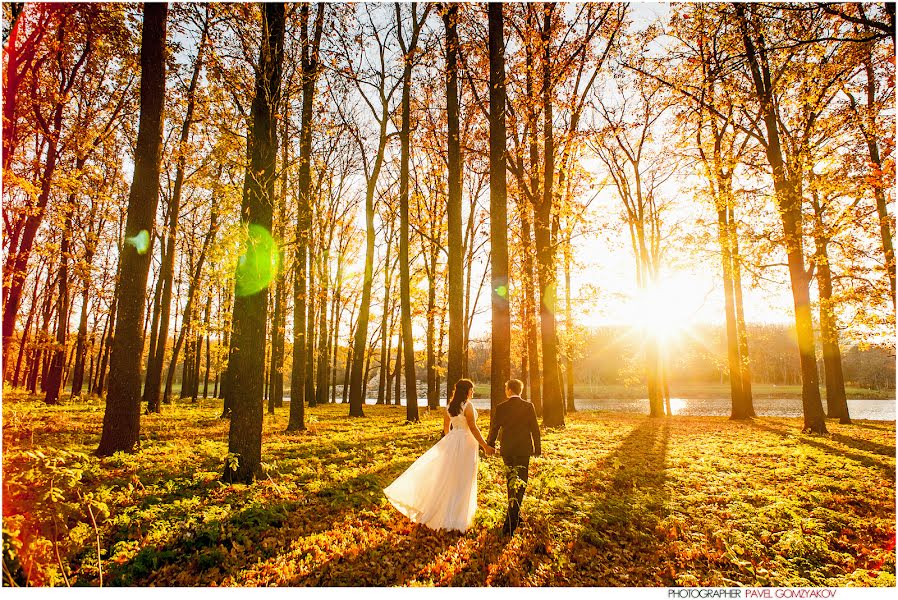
pixel 516 473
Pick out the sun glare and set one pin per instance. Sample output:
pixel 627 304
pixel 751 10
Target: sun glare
pixel 665 310
pixel 677 405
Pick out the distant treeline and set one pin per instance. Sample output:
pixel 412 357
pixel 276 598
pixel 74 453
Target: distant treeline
pixel 611 355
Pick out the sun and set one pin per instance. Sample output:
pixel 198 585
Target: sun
pixel 666 310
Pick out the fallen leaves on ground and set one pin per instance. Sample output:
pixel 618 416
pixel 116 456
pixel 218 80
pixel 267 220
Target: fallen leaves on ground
pixel 617 500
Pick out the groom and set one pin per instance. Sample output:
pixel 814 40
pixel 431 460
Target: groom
pixel 515 424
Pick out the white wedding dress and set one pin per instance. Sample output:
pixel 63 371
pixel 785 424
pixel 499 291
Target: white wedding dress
pixel 440 488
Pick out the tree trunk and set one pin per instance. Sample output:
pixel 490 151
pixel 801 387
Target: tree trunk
pixel 81 339
pixel 353 324
pixel 836 400
pixel 536 381
pixel 788 196
pixel 321 388
pixel 32 310
pixel 208 348
pixel 744 362
pixel 167 270
pixel 454 366
pixel 278 327
pixel 356 381
pixel 108 332
pixel 569 327
pixel 195 369
pixel 311 341
pixel 336 327
pixel 553 406
pixel 281 324
pixel 382 379
pixel 300 339
pixel 36 361
pixel 885 222
pixel 469 268
pixel 121 421
pixel 405 301
pixel 500 354
pixel 226 343
pixel 398 372
pixel 247 362
pixel 54 375
pixel 153 402
pixel 441 353
pixel 433 398
pixel 274 364
pixel 388 397
pixel 738 408
pixel 187 365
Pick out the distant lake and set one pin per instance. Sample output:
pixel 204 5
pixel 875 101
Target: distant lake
pixel 874 410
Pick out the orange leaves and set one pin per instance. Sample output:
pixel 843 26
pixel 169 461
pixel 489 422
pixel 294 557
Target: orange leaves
pixel 618 499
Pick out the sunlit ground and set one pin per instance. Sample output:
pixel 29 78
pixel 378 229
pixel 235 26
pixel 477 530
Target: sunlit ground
pixel 616 500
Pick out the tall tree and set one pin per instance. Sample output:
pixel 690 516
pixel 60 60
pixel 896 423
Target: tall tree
pixel 638 170
pixel 382 93
pixel 500 355
pixel 721 147
pixel 836 400
pixel 787 180
pixel 254 273
pixel 121 421
pixel 23 53
pixel 454 367
pixel 553 403
pixel 155 361
pixel 408 52
pixel 48 109
pixel 298 375
pixel 868 120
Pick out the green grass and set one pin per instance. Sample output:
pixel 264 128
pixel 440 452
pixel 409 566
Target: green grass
pixel 617 500
pixel 698 391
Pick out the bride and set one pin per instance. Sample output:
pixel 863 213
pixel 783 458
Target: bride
pixel 440 488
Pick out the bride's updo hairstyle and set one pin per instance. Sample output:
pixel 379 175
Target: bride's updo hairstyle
pixel 459 395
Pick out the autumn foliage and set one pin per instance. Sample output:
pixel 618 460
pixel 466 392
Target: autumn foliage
pixel 617 499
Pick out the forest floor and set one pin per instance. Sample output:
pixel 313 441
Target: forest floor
pixel 617 500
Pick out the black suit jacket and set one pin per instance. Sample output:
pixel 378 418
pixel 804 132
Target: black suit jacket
pixel 515 424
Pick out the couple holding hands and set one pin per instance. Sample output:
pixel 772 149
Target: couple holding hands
pixel 439 489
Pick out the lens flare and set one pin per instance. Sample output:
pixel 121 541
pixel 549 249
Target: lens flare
pixel 141 241
pixel 257 267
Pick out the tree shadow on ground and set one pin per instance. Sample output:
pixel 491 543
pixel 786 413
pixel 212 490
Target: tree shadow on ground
pixel 609 541
pixel 864 445
pixel 396 558
pixel 616 543
pixel 875 426
pixel 816 442
pixel 260 532
pixel 484 555
pixel 224 545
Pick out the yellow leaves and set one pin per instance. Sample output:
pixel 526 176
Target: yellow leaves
pixel 617 500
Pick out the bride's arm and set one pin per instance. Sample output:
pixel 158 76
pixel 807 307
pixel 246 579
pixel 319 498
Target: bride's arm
pixel 445 422
pixel 472 424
